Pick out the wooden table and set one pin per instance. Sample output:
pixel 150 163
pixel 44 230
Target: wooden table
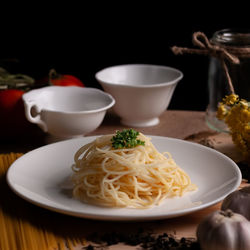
pixel 186 125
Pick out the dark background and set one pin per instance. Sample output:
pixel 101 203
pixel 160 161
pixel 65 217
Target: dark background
pixel 80 40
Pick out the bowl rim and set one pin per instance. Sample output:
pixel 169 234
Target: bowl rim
pixel 25 98
pixel 97 76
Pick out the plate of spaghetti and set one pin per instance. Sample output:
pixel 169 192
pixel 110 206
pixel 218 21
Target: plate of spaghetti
pixel 124 176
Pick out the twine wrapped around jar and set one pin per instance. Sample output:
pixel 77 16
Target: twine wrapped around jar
pixel 223 53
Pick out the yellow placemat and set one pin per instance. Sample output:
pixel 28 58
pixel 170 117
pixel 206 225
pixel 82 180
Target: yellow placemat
pixel 24 226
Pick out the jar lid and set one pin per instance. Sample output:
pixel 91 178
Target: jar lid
pixel 232 37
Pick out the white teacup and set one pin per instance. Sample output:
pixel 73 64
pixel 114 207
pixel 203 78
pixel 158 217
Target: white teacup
pixel 67 112
pixel 142 91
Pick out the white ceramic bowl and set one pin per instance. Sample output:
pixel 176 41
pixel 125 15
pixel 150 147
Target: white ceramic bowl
pixel 67 112
pixel 142 92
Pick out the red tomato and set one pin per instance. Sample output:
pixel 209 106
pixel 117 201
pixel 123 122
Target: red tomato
pixel 13 121
pixel 64 80
pixel 10 99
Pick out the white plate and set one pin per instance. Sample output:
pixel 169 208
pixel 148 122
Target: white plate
pixel 41 175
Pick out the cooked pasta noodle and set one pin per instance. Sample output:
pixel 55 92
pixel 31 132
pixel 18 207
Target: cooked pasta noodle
pixel 138 177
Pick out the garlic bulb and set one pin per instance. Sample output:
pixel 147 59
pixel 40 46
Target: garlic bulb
pixel 238 201
pixel 224 230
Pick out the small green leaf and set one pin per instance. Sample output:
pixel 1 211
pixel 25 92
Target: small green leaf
pixel 126 138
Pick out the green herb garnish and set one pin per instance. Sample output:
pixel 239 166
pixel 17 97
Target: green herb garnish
pixel 126 139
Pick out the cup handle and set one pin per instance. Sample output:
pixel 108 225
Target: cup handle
pixel 29 105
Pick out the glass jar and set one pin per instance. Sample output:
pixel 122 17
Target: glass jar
pixel 218 87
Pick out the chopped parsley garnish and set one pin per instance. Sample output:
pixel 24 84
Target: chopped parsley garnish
pixel 126 138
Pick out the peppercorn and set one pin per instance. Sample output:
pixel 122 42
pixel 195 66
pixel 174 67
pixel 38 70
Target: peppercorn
pixel 145 240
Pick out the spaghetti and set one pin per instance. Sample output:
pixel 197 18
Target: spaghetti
pixel 26 228
pixel 138 177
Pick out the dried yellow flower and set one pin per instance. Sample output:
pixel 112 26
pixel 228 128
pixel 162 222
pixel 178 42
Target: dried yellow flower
pixel 222 111
pixel 236 114
pixel 230 100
